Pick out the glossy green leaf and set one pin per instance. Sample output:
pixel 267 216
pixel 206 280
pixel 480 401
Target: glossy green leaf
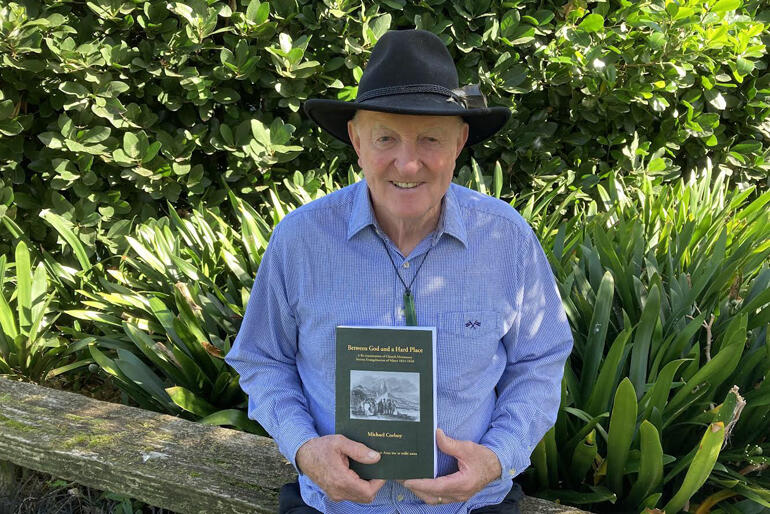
pixel 597 334
pixel 235 418
pixel 131 145
pixel 657 396
pixel 621 433
pixel 592 23
pixel 190 402
pixel 716 99
pixel 650 466
pixel 23 287
pixel 497 181
pixel 478 178
pixel 540 463
pixel 7 317
pixel 700 468
pixel 725 5
pixel 640 352
pixel 62 227
pixel 583 457
pixel 599 400
pixel 141 374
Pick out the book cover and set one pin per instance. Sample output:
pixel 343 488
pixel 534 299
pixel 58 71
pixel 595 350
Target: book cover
pixel 386 398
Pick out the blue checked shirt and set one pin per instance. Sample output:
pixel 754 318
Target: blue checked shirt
pixel 502 335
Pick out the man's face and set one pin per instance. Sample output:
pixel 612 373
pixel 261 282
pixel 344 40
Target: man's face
pixel 408 162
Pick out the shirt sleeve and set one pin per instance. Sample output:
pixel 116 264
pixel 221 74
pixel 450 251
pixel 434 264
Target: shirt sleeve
pixel 537 345
pixel 264 354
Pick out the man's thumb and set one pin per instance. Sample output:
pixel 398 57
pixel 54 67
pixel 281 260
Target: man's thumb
pixel 360 452
pixel 445 443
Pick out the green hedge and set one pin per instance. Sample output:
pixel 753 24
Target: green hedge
pixel 110 108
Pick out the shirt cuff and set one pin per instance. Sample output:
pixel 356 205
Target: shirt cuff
pixel 513 459
pixel 292 441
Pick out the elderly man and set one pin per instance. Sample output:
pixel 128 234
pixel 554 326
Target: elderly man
pixel 406 246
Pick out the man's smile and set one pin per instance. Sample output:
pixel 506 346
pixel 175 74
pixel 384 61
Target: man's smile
pixel 405 185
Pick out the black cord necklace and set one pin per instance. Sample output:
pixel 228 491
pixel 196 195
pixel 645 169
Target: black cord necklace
pixel 411 315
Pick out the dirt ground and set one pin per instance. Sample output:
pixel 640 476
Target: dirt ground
pixel 39 493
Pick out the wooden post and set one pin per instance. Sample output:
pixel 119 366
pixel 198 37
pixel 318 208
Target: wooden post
pixel 8 482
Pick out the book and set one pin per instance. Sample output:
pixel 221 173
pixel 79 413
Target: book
pixel 386 398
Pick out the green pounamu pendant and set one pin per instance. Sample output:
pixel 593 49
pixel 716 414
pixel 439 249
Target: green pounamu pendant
pixel 411 316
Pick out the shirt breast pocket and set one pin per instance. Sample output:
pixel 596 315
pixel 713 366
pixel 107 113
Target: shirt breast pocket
pixel 467 344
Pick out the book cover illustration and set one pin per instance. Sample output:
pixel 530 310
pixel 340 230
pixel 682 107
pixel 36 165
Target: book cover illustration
pixel 384 395
pixel 385 398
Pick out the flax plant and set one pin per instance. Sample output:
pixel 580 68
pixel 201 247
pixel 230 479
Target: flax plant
pixel 169 311
pixel 666 392
pixel 30 347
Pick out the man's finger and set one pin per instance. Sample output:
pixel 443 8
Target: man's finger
pixel 457 487
pixel 348 485
pixel 375 485
pixel 441 486
pixel 365 490
pixel 358 452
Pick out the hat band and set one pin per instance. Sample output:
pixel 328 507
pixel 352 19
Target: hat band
pixel 403 90
pixel 469 97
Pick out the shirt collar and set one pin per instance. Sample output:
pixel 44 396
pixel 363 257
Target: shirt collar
pixel 362 214
pixel 451 218
pixel 450 222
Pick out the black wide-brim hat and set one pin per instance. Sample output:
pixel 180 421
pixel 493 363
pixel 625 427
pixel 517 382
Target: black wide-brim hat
pixel 411 72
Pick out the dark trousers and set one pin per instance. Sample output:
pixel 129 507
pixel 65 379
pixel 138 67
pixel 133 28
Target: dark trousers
pixel 290 502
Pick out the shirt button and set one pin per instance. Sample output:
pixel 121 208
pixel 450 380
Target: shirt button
pixel 400 497
pixel 406 264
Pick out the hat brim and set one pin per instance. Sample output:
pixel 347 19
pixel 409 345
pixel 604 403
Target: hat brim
pixel 333 115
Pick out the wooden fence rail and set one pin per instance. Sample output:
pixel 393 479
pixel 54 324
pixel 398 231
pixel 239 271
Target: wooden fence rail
pixel 161 460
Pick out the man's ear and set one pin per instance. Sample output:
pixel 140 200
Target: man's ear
pixel 461 139
pixel 354 137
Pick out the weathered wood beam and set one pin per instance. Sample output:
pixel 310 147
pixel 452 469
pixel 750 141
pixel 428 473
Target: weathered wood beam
pixel 161 460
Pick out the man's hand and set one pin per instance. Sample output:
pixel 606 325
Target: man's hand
pixel 477 466
pixel 326 461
